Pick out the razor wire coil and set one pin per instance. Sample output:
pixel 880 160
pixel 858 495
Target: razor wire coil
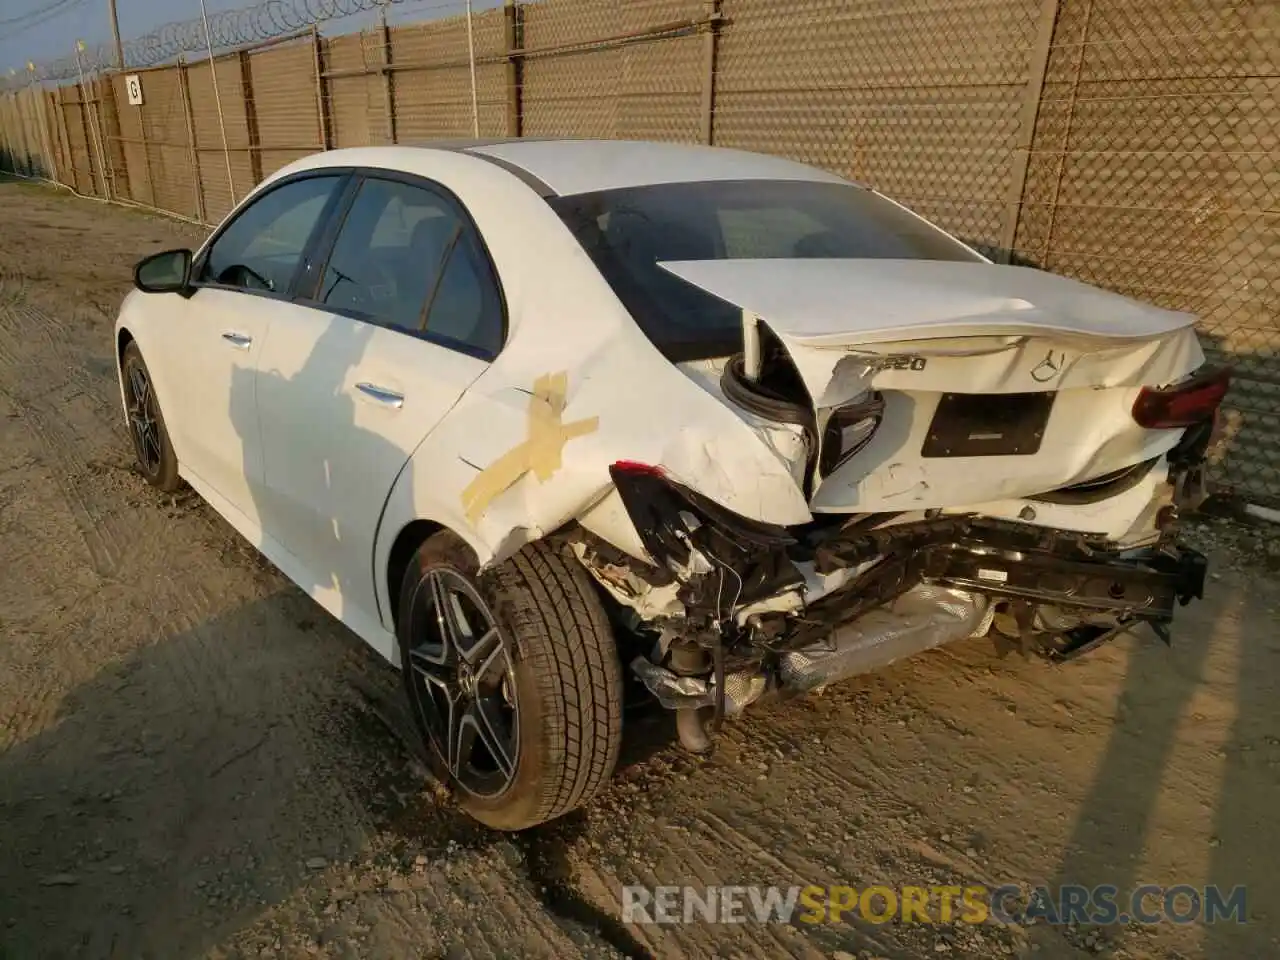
pixel 228 28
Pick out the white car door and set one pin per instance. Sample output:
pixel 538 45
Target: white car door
pixel 404 317
pixel 213 339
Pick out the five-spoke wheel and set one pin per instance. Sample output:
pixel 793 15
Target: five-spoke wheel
pixel 151 446
pixel 514 679
pixel 142 420
pixel 463 684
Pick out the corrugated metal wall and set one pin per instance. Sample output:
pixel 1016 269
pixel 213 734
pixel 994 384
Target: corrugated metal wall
pixel 356 102
pixel 225 175
pixel 1131 143
pixel 24 147
pixel 280 84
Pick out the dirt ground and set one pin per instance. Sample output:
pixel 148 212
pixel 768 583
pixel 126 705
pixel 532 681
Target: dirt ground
pixel 196 761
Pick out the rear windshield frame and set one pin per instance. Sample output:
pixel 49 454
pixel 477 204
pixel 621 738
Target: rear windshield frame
pixel 870 226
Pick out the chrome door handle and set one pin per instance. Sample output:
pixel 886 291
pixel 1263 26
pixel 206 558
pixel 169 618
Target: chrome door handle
pixel 382 395
pixel 237 340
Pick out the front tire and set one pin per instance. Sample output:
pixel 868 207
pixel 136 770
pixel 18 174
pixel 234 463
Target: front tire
pixel 513 678
pixel 151 447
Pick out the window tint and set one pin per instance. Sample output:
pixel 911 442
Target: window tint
pixel 405 257
pixel 628 232
pixel 758 233
pixel 465 307
pixel 261 248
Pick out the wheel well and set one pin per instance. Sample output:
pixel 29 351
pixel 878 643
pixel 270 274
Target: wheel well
pixel 123 339
pixel 408 541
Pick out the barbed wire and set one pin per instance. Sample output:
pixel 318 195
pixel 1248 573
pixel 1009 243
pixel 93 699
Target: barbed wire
pixel 231 28
pixel 228 28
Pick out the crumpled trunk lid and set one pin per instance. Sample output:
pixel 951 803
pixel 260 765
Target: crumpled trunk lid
pixel 930 337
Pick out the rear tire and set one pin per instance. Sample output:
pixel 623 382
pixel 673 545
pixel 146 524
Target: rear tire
pixel 538 657
pixel 151 447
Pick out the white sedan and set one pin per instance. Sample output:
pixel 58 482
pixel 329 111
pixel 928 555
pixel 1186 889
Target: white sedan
pixel 532 416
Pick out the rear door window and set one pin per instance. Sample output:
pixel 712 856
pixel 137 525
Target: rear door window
pixel 406 257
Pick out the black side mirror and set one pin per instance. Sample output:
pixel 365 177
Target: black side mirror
pixel 167 272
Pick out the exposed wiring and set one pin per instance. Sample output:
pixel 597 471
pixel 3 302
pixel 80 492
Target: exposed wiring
pixel 736 597
pixel 717 652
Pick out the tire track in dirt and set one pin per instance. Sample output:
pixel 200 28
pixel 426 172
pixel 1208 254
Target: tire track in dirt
pixel 43 407
pixel 204 675
pixel 531 893
pixel 186 735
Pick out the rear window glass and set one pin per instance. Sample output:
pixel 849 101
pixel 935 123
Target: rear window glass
pixel 628 232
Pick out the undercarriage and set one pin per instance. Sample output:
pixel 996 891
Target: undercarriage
pixel 733 611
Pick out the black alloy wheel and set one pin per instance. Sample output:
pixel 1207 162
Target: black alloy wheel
pixel 144 424
pixel 147 431
pixel 512 676
pixel 462 684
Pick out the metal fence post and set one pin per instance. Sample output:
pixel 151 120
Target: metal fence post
pixel 322 111
pixel 388 91
pixel 710 40
pixel 100 142
pixel 111 142
pixel 94 170
pixel 1066 136
pixel 184 89
pixel 471 56
pixel 1037 65
pixel 146 155
pixel 65 130
pixel 91 129
pixel 514 67
pixel 217 99
pixel 250 122
pixel 43 118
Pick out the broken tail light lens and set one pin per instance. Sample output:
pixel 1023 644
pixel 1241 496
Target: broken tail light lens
pixel 848 430
pixel 667 514
pixel 1182 405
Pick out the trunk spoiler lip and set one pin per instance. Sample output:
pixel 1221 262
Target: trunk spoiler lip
pixel 837 319
pixel 822 303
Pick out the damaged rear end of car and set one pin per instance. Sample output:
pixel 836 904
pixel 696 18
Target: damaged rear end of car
pixel 1008 458
pixel 948 448
pixel 734 610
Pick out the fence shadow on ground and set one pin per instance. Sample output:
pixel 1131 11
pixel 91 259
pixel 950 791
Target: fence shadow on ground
pixel 1208 700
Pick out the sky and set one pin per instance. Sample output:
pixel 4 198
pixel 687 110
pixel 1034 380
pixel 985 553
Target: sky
pixel 88 20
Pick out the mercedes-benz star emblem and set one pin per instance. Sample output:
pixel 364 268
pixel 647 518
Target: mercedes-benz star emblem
pixel 1048 368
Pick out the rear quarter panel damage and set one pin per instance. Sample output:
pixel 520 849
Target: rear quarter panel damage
pixel 577 388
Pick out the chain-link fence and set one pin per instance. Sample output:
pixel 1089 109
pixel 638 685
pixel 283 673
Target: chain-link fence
pixel 1155 171
pixel 1133 144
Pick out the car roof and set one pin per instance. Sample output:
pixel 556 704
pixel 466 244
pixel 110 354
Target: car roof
pixel 567 166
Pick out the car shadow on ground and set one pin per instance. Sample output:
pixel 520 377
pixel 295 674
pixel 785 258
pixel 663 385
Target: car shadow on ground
pixel 327 373
pixel 162 840
pixel 150 840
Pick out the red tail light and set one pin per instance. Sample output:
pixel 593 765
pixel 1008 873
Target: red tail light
pixel 1182 405
pixel 635 468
